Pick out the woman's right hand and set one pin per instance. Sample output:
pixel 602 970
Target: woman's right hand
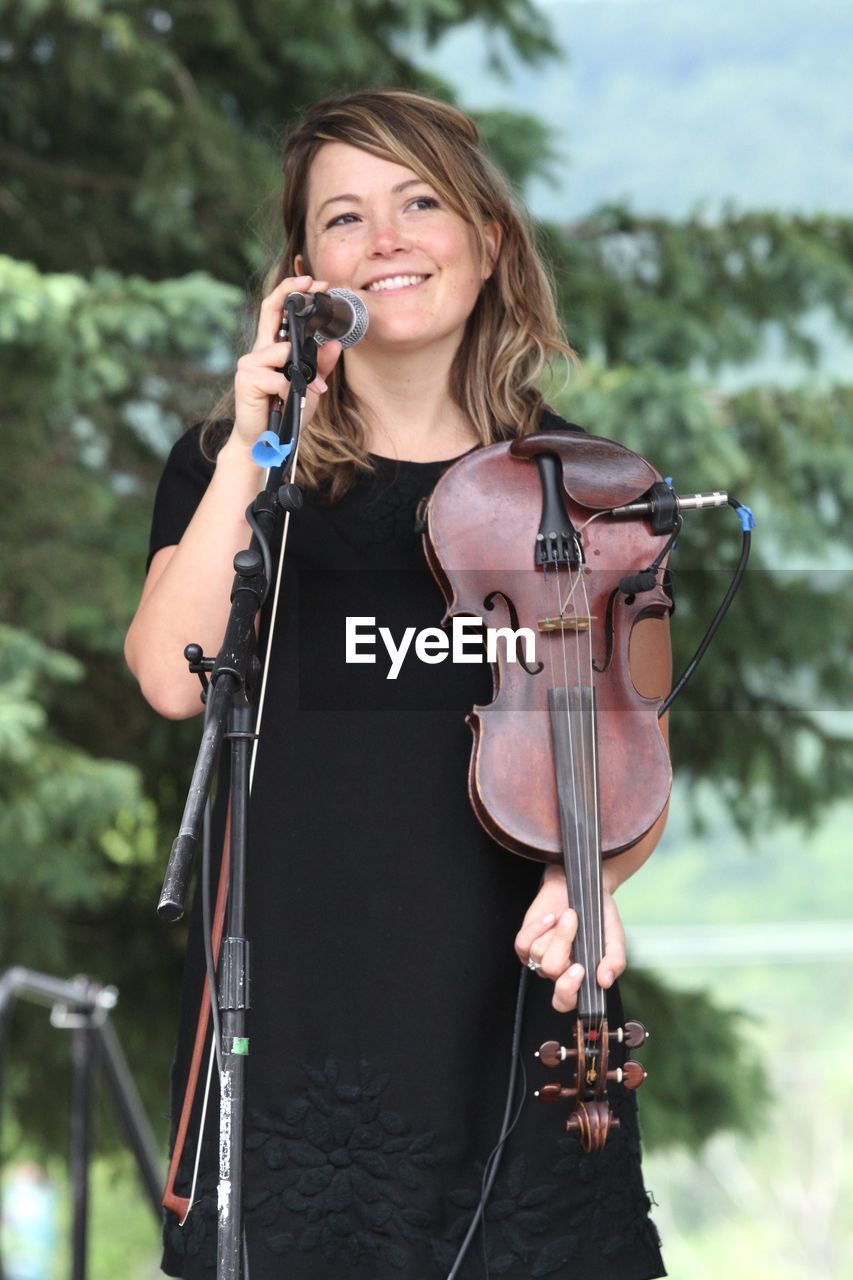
pixel 258 377
pixel 188 586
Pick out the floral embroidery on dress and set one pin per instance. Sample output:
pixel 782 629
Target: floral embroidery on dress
pixel 608 1213
pixel 341 1168
pixel 514 1219
pixel 612 1206
pixel 342 1175
pixel 198 1236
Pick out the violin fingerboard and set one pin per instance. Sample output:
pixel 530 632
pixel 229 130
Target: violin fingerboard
pixel 573 733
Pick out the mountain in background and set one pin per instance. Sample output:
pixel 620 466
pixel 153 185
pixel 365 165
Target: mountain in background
pixel 678 104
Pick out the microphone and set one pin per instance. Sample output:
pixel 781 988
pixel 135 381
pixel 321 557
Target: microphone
pixel 339 314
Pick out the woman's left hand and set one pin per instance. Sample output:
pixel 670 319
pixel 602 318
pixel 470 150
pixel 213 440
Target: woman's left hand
pixel 547 935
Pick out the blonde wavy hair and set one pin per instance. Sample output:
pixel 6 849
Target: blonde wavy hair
pixel 513 333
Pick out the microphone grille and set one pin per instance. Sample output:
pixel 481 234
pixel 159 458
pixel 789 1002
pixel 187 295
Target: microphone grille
pixel 361 319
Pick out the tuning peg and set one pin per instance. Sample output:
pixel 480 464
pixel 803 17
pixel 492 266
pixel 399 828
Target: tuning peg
pixel 633 1074
pixel 554 1093
pixel 552 1053
pixel 633 1034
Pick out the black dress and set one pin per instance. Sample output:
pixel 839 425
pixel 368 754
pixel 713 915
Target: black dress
pixel 384 980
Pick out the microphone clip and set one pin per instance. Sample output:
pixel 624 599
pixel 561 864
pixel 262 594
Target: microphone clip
pixel 301 368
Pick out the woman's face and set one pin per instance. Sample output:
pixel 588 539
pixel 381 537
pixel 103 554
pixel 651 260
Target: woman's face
pixel 377 228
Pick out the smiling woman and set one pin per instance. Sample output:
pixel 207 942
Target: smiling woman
pixel 386 925
pixel 354 152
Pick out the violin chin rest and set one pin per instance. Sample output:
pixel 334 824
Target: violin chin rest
pixel 598 473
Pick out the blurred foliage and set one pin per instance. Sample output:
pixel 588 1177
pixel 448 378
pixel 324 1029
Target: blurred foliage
pixel 138 148
pixel 69 823
pixel 694 1096
pixel 755 722
pixel 143 137
pixel 642 290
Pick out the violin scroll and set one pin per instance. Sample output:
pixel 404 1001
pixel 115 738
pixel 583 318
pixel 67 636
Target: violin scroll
pixel 586 1092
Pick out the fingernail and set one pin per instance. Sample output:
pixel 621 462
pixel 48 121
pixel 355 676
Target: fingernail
pixel 576 971
pixel 549 919
pixel 565 919
pixel 607 978
pixel 319 384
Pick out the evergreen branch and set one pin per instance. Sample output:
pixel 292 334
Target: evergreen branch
pixel 65 175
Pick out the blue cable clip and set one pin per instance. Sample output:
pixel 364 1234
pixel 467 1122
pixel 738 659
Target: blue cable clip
pixel 668 482
pixel 747 519
pixel 268 451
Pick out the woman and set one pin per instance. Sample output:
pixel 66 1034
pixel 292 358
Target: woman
pixel 386 926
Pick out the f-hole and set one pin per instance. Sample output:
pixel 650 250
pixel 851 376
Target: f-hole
pixel 489 604
pixel 608 636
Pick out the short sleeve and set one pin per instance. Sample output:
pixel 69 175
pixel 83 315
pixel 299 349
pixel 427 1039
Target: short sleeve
pixel 550 421
pixel 181 488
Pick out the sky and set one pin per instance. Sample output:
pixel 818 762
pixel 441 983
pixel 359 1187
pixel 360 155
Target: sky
pixel 676 105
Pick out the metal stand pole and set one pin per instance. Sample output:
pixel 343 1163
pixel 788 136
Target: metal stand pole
pixel 81 1005
pixel 82 1058
pixel 233 1002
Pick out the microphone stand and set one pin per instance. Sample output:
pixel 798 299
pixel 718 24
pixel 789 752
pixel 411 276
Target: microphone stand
pixel 230 688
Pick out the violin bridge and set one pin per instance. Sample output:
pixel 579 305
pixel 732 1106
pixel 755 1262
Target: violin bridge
pixel 569 622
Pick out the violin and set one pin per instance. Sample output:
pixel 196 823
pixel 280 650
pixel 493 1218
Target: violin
pixel 569 763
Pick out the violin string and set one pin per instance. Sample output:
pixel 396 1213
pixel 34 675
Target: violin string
pixel 583 740
pixel 586 735
pixel 562 608
pixel 562 612
pixel 595 861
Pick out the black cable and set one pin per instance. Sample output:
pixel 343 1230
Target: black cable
pixel 718 616
pixel 264 546
pixel 678 525
pixel 634 584
pixel 496 1155
pixel 493 1160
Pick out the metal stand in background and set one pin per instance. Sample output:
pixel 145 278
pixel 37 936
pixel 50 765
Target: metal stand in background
pixel 82 1006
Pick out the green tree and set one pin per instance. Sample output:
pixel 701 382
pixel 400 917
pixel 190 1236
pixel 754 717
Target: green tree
pixel 143 138
pixel 661 312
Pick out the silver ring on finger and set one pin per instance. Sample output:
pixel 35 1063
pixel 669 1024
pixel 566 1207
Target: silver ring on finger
pixel 534 965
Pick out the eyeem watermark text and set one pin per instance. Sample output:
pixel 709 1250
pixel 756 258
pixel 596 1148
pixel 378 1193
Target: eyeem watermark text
pixel 433 644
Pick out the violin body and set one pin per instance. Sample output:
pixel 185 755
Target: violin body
pixel 482 523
